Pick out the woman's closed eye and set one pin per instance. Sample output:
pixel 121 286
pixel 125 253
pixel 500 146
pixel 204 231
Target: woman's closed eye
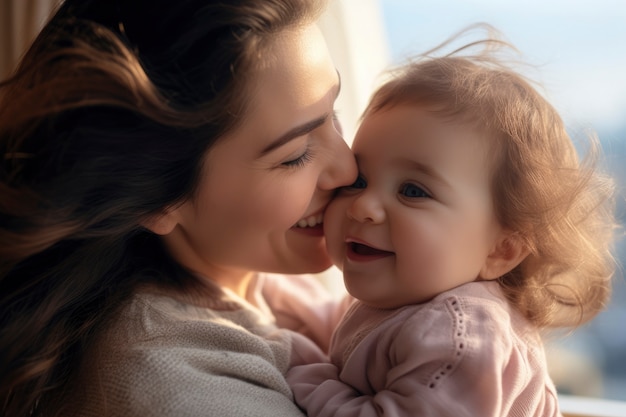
pixel 409 190
pixel 300 161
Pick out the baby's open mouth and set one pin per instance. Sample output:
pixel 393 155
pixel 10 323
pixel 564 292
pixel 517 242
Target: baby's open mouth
pixel 364 250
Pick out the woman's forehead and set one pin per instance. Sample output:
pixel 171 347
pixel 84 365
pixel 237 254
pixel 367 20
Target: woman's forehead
pixel 298 84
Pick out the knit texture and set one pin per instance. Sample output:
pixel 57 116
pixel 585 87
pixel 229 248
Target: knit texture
pixel 165 357
pixel 466 353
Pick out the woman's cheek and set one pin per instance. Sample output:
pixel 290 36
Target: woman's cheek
pixel 285 206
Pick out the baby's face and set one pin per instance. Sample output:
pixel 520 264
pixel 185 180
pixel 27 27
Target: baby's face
pixel 419 220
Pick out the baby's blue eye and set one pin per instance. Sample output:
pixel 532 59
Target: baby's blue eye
pixel 359 183
pixel 413 191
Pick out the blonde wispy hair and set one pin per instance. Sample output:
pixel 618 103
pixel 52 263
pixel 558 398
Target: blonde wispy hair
pixel 560 206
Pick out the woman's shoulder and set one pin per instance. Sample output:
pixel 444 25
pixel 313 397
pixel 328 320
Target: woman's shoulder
pixel 154 317
pixel 162 356
pixel 160 322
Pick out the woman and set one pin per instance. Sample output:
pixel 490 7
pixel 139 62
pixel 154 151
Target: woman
pixel 154 155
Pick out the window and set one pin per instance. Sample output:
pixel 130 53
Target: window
pixel 577 49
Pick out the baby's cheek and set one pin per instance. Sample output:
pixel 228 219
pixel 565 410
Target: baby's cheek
pixel 333 227
pixel 334 214
pixel 425 249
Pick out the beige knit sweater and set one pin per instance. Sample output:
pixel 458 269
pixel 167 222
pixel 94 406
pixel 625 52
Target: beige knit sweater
pixel 164 357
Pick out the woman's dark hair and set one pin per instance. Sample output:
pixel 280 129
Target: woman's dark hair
pixel 105 123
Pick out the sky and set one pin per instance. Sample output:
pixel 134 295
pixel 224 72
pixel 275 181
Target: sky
pixel 578 46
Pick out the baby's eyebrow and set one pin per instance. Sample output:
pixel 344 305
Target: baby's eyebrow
pixel 422 168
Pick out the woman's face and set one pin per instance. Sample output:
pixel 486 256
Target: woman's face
pixel 266 185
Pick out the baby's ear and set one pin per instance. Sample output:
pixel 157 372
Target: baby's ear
pixel 162 223
pixel 508 252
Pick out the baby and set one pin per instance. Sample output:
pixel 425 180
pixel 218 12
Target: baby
pixel 472 227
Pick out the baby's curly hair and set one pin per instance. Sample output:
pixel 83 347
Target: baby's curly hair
pixel 561 207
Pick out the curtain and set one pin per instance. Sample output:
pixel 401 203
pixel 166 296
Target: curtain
pixel 20 21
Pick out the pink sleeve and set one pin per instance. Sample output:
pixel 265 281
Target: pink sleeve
pixel 302 304
pixel 443 361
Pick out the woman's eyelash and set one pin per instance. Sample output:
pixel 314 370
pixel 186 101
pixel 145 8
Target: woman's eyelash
pixel 299 161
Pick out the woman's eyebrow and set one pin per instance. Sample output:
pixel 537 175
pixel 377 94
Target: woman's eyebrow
pixel 303 129
pixel 295 132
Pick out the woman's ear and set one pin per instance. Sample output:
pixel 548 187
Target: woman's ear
pixel 162 223
pixel 509 251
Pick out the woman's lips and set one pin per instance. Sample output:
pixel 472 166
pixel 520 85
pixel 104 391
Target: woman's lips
pixel 360 252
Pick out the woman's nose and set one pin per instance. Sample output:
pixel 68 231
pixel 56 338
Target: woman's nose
pixel 341 169
pixel 367 208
